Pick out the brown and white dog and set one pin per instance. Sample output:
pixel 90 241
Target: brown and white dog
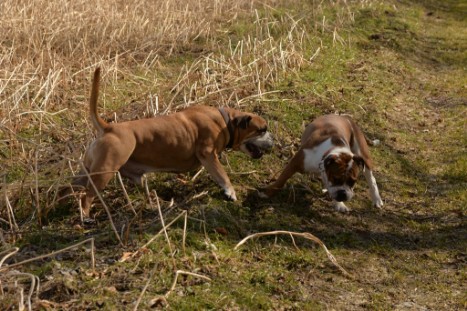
pixel 336 148
pixel 179 142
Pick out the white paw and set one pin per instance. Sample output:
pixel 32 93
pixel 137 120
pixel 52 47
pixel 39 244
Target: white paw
pixel 230 193
pixel 262 195
pixel 378 203
pixel 341 207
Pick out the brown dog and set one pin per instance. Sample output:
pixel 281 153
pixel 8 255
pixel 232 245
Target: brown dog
pixel 335 147
pixel 179 142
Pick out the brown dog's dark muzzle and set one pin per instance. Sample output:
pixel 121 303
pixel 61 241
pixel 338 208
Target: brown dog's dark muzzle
pixel 254 150
pixel 258 145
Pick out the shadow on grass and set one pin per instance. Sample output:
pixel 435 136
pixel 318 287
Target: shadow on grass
pixel 360 229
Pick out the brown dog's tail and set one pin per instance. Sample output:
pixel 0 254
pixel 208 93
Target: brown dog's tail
pixel 97 121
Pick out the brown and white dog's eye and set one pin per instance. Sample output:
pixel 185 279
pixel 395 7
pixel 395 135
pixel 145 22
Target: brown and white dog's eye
pixel 351 183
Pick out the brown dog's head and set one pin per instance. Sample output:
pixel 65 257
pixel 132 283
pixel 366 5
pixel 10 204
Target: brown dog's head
pixel 251 135
pixel 340 172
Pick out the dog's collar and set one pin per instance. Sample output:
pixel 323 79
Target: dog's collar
pixel 229 126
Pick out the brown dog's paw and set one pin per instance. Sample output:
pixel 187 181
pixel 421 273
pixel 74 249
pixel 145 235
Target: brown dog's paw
pixel 88 221
pixel 230 194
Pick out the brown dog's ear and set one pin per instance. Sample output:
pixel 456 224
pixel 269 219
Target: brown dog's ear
pixel 242 122
pixel 360 161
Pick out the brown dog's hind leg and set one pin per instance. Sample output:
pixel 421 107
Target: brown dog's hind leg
pixel 100 180
pixel 106 157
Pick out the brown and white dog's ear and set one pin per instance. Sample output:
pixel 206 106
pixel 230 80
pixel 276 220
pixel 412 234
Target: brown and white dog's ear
pixel 330 160
pixel 242 122
pixel 360 161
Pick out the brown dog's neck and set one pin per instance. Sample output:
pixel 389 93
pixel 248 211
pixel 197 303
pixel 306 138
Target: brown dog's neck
pixel 228 122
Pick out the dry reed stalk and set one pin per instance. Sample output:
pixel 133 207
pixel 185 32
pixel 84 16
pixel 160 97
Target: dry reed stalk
pixel 32 289
pixel 143 291
pixel 35 282
pixel 156 235
pixel 125 193
pixel 91 240
pixel 181 272
pixel 36 196
pixel 305 235
pixel 11 214
pixel 185 223
pixel 146 188
pixel 10 252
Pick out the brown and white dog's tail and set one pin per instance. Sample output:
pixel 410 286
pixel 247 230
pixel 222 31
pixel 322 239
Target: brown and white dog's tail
pixel 99 124
pixel 372 143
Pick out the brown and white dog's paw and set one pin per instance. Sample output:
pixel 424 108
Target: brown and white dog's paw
pixel 341 207
pixel 378 203
pixel 267 192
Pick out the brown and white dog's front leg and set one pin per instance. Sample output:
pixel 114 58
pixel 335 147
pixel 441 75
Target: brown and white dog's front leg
pixel 211 162
pixel 374 192
pixel 295 165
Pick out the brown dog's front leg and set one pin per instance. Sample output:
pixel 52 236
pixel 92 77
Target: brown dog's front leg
pixel 211 162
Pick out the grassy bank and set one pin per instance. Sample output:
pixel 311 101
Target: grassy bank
pixel 397 67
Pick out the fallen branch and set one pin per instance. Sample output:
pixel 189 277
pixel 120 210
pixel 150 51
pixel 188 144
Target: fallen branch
pixel 305 235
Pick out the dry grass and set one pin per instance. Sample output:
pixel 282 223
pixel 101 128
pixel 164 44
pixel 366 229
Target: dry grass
pixel 49 49
pixel 48 46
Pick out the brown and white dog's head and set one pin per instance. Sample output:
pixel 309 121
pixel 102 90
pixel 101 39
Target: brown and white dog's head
pixel 251 135
pixel 339 171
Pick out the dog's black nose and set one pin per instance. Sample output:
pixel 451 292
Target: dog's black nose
pixel 341 196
